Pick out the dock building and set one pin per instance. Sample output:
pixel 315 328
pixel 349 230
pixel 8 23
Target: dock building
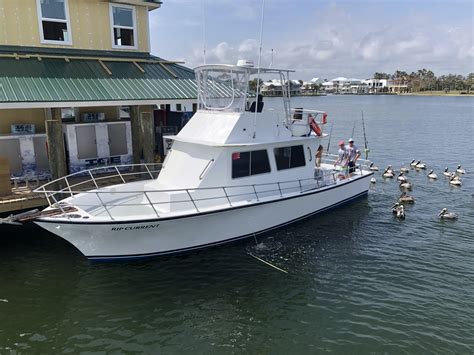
pixel 79 87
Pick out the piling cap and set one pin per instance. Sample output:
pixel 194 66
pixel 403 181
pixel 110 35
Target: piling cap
pixel 341 142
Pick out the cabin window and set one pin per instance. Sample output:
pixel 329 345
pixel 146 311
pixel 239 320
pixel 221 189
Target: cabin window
pixel 250 163
pixel 124 27
pixel 289 157
pixel 54 21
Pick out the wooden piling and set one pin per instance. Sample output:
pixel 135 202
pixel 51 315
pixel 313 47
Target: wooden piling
pixel 148 136
pixel 5 185
pixel 136 133
pixel 55 141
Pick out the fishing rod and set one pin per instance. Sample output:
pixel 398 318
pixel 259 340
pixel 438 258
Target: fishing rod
pixel 330 135
pixel 365 138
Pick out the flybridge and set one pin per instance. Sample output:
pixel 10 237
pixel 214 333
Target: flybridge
pixel 224 87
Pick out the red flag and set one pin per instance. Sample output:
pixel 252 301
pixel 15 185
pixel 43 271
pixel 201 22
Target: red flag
pixel 325 118
pixel 236 156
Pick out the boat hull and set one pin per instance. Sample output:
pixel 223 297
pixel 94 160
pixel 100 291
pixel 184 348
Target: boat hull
pixel 104 241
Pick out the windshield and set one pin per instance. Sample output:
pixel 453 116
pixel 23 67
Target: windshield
pixel 222 89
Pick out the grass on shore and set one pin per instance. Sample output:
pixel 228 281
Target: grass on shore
pixel 440 93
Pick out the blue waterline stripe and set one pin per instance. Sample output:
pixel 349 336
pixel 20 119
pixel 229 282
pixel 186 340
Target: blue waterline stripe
pixel 177 251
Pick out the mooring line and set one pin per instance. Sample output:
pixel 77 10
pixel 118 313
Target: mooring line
pixel 266 262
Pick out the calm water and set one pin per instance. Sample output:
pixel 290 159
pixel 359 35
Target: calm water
pixel 359 281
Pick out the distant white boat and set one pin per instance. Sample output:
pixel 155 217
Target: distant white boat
pixel 233 171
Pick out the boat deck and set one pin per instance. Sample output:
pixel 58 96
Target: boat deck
pixel 135 201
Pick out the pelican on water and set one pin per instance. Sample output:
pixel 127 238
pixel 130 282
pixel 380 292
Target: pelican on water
pixel 420 165
pixel 405 185
pixel 373 180
pixel 372 167
pixel 404 170
pixel 387 174
pixel 455 180
pixel 401 177
pixel 413 163
pixel 404 198
pixel 460 170
pixel 432 175
pixel 394 208
pixel 444 214
pixel 446 172
pixel 401 212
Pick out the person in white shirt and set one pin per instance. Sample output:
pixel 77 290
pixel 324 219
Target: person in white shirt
pixel 353 154
pixel 342 158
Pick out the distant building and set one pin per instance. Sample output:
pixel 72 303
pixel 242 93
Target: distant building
pixel 328 86
pixel 273 87
pixel 397 85
pixel 311 86
pixel 375 86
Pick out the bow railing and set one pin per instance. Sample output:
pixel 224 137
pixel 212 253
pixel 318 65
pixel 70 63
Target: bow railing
pixel 116 204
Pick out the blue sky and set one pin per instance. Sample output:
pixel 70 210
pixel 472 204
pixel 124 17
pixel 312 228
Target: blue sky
pixel 319 38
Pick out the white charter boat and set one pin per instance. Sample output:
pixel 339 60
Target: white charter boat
pixel 234 171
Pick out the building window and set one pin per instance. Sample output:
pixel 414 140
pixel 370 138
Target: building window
pixel 124 26
pixel 124 112
pixel 55 27
pixel 250 163
pixel 178 107
pixel 289 157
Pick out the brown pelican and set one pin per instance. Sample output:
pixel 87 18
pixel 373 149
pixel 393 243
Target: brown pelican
pixel 420 165
pixel 394 208
pixel 404 198
pixel 460 170
pixel 388 173
pixel 401 212
pixel 455 180
pixel 372 167
pixel 432 175
pixel 444 214
pixel 405 185
pixel 401 177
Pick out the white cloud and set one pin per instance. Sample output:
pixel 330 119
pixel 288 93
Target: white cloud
pixel 248 46
pixel 328 41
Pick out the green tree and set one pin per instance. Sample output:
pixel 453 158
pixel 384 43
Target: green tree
pixel 470 82
pixel 253 84
pixel 400 75
pixel 378 75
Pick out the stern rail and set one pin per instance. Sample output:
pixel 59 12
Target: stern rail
pixel 116 205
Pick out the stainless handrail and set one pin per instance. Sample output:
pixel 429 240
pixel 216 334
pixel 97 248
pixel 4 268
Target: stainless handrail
pixel 204 171
pixel 281 188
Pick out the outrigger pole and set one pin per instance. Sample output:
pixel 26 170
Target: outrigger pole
pixel 365 138
pixel 330 135
pixel 258 69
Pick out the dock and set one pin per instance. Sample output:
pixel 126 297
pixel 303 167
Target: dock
pixel 21 198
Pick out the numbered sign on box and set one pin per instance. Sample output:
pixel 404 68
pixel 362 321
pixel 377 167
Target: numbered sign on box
pixel 23 129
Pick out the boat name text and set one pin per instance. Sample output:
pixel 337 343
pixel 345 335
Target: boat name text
pixel 149 226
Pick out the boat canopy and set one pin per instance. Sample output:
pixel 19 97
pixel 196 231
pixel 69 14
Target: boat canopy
pixel 225 87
